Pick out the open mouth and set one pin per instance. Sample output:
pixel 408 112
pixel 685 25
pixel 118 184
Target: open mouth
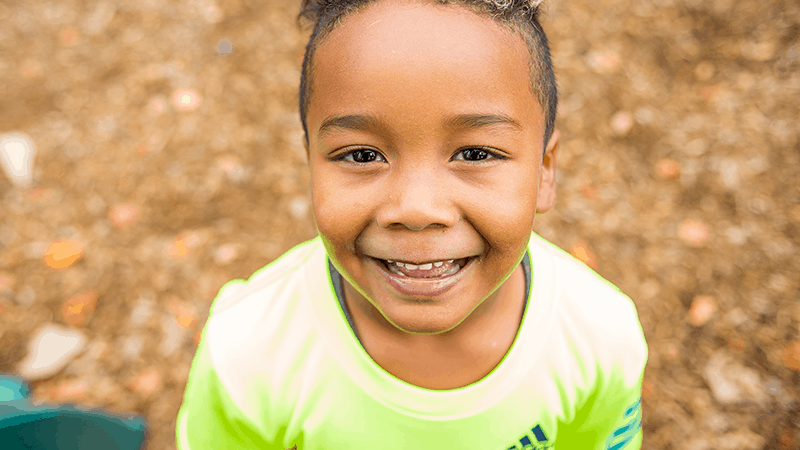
pixel 432 269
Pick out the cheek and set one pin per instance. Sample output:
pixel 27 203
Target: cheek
pixel 505 215
pixel 338 213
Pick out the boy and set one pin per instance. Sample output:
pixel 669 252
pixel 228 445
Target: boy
pixel 426 315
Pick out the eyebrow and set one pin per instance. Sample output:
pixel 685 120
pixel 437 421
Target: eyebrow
pixel 472 121
pixel 355 122
pixel 363 122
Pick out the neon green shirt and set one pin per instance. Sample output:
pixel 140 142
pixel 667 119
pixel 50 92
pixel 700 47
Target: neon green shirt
pixel 279 365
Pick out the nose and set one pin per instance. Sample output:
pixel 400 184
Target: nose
pixel 417 201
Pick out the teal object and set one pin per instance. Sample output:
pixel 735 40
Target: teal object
pixel 24 426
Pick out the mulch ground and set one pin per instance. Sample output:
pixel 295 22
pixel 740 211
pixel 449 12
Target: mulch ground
pixel 169 161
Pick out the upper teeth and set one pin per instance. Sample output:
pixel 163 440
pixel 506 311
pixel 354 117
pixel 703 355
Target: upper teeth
pixel 426 266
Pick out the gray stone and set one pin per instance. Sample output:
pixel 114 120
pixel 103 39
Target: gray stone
pixel 50 350
pixel 732 383
pixel 17 153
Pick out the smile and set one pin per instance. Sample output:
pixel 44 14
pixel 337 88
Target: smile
pixel 434 269
pixel 428 279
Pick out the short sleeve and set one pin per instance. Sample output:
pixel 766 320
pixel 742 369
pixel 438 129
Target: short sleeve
pixel 209 419
pixel 611 416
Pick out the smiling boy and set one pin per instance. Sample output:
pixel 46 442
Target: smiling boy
pixel 426 314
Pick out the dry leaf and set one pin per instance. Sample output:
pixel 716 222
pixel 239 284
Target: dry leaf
pixel 77 309
pixel 63 254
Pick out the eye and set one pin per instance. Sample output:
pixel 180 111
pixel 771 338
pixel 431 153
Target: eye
pixel 476 154
pixel 361 156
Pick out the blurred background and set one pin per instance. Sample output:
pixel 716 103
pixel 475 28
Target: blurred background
pixel 153 151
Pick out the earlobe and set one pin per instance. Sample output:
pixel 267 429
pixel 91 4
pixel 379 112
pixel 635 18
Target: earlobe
pixel 547 178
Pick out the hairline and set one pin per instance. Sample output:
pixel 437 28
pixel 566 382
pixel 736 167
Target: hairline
pixel 536 75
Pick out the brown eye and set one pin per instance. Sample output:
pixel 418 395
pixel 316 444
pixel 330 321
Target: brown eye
pixel 361 156
pixel 476 154
pixel 364 156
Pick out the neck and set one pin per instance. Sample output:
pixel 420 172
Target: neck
pixel 455 358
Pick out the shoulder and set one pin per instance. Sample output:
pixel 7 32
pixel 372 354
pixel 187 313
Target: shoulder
pixel 260 333
pixel 599 319
pixel 266 317
pixel 273 278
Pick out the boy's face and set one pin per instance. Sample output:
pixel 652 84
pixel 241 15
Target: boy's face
pixel 425 145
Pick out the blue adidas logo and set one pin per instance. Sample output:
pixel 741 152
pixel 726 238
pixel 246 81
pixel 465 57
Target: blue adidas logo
pixel 535 440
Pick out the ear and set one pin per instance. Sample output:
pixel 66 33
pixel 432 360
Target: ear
pixel 305 145
pixel 547 177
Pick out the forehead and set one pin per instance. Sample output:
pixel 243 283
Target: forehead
pixel 400 53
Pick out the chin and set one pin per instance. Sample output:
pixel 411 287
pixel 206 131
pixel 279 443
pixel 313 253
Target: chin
pixel 436 325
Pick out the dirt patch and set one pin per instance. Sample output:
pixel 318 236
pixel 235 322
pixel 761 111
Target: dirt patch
pixel 169 147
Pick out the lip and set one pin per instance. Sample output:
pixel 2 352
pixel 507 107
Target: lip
pixel 421 287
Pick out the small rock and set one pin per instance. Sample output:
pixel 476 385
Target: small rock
pixel 211 12
pixel 602 61
pixel 186 99
pixel 50 350
pixel 694 232
pixel 225 254
pixel 702 309
pixel 668 168
pixel 232 168
pixel 731 382
pixel 147 382
pixel 17 154
pixel 299 207
pixel 124 215
pixel 224 47
pixel 621 123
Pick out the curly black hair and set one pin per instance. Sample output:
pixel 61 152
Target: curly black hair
pixel 521 16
